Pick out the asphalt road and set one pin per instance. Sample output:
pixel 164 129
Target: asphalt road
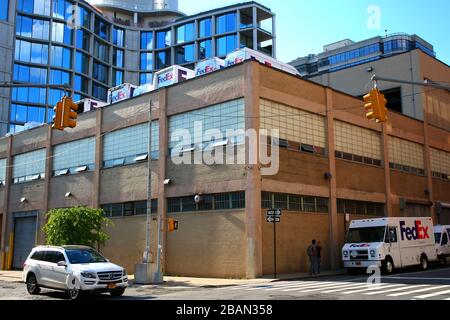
pixel 433 284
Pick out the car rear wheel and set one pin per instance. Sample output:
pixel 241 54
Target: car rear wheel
pixel 32 285
pixel 117 293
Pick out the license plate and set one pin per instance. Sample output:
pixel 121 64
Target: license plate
pixel 111 285
pixel 358 263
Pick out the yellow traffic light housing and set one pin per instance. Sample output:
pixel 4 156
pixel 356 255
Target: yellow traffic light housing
pixel 57 118
pixel 69 113
pixel 375 105
pixel 172 225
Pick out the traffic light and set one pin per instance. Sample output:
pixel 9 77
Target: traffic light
pixel 57 118
pixel 172 225
pixel 375 105
pixel 69 113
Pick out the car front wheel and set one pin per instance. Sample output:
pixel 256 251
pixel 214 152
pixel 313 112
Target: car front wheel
pixel 74 293
pixel 32 285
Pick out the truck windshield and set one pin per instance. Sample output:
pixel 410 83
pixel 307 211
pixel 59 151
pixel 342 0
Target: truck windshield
pixel 437 237
pixel 371 234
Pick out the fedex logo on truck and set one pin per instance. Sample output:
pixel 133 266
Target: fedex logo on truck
pixel 165 78
pixel 417 232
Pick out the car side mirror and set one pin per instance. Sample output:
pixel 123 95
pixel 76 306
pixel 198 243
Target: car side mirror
pixel 62 264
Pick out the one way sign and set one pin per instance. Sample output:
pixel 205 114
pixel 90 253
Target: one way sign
pixel 272 219
pixel 274 212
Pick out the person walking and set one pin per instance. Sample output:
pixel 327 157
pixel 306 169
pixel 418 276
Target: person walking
pixel 318 256
pixel 311 252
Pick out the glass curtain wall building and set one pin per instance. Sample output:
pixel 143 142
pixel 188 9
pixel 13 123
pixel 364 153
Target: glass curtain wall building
pixel 116 45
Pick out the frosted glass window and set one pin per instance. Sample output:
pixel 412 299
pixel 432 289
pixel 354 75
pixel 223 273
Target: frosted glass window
pixel 405 153
pixel 73 155
pixel 2 170
pixel 440 163
pixel 29 166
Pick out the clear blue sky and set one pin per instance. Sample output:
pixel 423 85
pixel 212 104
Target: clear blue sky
pixel 320 22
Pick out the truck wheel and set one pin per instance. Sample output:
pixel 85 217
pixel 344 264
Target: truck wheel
pixel 423 262
pixel 388 266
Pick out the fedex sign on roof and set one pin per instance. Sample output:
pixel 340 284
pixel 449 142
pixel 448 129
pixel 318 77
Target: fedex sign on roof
pixel 415 232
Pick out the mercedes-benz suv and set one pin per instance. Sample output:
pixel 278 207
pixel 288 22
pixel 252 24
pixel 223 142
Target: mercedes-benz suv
pixel 74 269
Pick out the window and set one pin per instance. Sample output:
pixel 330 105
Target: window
pixel 205 50
pixel 246 19
pixel 394 99
pixel 406 156
pixel 101 51
pixel 208 202
pixel 2 171
pixel 147 61
pixel 81 83
pixel 61 57
pixel 117 77
pixel 226 45
pixel 31 52
pixel 30 95
pixel 73 155
pixel 444 239
pixel 392 234
pixel 357 144
pixel 85 17
pixel 4 8
pixel 163 39
pixel 100 92
pixel 61 9
pixel 147 40
pixel 101 29
pixel 185 54
pixel 205 28
pixel 126 144
pixel 128 209
pixel 226 23
pixel 27 165
pixel 163 59
pixel 440 163
pixel 360 207
pixel 55 95
pixel 82 40
pixel 145 78
pixel 59 77
pixel 118 58
pixel 30 74
pixel 185 33
pixel 81 63
pixel 292 202
pixel 100 72
pixel 118 37
pixel 41 7
pixel 232 119
pixel 61 33
pixel 32 28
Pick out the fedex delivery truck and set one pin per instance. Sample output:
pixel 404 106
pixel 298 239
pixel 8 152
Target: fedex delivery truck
pixel 240 55
pixel 119 93
pixel 389 243
pixel 88 104
pixel 208 66
pixel 172 75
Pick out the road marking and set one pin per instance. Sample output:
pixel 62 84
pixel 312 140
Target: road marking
pixel 439 293
pixel 372 287
pixel 355 286
pixel 333 286
pixel 317 285
pixel 417 278
pixel 415 291
pixel 395 289
pixel 298 284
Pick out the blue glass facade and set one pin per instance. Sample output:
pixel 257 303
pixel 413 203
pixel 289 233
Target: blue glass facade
pixel 101 52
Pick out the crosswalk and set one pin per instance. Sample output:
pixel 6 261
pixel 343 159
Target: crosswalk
pixel 347 289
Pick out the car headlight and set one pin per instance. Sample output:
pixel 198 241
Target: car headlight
pixel 372 253
pixel 89 275
pixel 345 252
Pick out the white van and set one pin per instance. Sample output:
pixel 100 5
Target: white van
pixel 442 237
pixel 389 243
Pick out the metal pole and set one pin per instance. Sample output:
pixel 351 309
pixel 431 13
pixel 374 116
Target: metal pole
pixel 274 248
pixel 426 83
pixel 149 188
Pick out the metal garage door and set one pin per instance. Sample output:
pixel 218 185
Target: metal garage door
pixel 444 216
pixel 24 239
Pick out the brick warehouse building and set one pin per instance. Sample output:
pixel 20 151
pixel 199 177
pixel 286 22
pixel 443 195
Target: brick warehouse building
pixel 332 161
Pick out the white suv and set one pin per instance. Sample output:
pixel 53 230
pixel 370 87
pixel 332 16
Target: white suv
pixel 73 269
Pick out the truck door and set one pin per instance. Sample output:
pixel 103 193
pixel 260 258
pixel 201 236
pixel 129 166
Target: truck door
pixel 393 246
pixel 445 245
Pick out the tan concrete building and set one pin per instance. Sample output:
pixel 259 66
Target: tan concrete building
pixel 333 161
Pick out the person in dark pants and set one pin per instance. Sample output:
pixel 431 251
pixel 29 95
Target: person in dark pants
pixel 311 252
pixel 318 256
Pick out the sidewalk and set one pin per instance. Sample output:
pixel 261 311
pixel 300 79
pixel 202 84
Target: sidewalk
pixel 16 276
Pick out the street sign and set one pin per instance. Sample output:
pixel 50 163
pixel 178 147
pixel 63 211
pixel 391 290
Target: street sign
pixel 274 212
pixel 273 219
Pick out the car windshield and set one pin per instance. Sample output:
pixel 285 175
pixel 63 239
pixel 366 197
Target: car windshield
pixel 437 237
pixel 372 234
pixel 78 256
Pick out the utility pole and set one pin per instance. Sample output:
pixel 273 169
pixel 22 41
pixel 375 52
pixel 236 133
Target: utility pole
pixel 426 83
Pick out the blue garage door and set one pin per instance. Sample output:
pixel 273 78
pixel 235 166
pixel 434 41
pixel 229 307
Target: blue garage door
pixel 24 239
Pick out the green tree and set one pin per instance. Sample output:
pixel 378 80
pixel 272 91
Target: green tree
pixel 76 226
